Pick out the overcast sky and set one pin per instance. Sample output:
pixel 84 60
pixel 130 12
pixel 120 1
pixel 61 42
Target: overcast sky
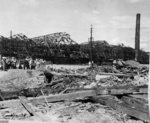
pixel 113 20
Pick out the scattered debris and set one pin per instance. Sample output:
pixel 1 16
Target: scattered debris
pixel 101 94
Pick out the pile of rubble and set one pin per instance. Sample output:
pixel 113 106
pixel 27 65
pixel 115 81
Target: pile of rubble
pixel 70 95
pixel 20 79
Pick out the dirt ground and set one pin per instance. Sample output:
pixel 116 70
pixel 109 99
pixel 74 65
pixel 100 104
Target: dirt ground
pixel 2 73
pixel 75 67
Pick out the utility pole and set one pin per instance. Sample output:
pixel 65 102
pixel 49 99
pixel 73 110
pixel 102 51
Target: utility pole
pixel 91 45
pixel 11 43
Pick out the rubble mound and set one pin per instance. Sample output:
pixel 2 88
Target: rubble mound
pixel 19 79
pixel 132 63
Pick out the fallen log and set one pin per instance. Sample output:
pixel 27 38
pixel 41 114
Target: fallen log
pixel 122 107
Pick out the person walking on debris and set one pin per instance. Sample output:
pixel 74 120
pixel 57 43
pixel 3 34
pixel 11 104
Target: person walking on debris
pixel 37 63
pixel 91 64
pixel 48 76
pixel 18 64
pixel 8 63
pixel 4 63
pixel 32 64
pixel 26 64
pixel 13 62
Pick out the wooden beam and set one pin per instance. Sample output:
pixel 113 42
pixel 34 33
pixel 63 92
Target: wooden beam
pixel 140 96
pixel 138 104
pixel 117 74
pixel 62 74
pixel 29 108
pixel 20 121
pixel 62 97
pixel 46 88
pixel 122 107
pixel 120 91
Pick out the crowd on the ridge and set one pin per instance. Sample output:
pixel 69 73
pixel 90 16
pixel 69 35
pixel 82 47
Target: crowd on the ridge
pixel 13 63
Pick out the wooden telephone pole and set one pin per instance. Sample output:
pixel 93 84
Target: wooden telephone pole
pixel 11 44
pixel 91 45
pixel 91 39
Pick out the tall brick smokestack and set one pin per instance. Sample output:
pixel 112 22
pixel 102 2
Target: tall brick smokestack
pixel 137 37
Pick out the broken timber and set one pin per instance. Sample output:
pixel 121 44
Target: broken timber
pixel 140 105
pixel 62 74
pixel 99 91
pixel 61 97
pixel 20 121
pixel 29 108
pixel 133 107
pixel 122 107
pixel 140 96
pixel 53 98
pixel 117 74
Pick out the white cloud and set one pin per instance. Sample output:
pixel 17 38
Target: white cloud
pixel 76 12
pixel 88 18
pixel 129 22
pixel 95 12
pixel 28 2
pixel 115 41
pixel 123 22
pixel 135 1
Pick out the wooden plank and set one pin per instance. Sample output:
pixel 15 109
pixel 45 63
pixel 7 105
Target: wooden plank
pixel 62 74
pixel 9 94
pixel 39 115
pixel 117 74
pixel 133 112
pixel 31 92
pixel 140 96
pixel 20 121
pixel 62 97
pixel 54 98
pixel 114 90
pixel 138 104
pixel 55 82
pixel 117 91
pixel 122 107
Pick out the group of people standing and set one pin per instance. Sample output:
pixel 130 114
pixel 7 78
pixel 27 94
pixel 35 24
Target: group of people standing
pixel 13 63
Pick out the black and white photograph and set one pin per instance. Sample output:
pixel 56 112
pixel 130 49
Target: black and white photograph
pixel 74 61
